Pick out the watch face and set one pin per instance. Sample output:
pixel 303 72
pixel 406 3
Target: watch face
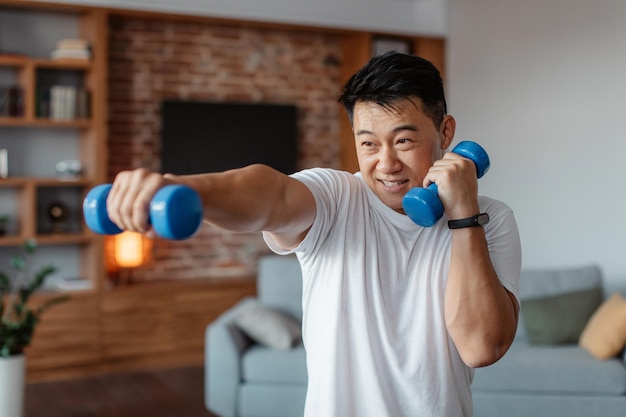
pixel 482 219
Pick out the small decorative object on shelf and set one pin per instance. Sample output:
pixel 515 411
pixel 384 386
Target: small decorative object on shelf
pixel 4 220
pixel 69 170
pixel 71 284
pixel 58 213
pixel 72 49
pixel 4 163
pixel 385 44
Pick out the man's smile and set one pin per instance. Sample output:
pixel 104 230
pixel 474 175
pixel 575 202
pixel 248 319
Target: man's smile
pixel 396 183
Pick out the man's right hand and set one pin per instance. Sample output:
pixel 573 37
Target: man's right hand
pixel 128 204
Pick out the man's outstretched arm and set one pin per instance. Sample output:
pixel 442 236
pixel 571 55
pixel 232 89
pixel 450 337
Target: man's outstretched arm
pixel 253 198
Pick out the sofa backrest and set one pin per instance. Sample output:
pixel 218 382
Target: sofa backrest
pixel 279 284
pixel 536 283
pixel 540 283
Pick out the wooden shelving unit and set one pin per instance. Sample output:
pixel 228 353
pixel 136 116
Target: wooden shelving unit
pixel 70 336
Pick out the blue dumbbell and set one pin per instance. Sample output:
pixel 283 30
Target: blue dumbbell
pixel 423 206
pixel 175 212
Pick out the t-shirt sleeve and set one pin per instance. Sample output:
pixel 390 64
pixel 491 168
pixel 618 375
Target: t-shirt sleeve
pixel 326 185
pixel 504 244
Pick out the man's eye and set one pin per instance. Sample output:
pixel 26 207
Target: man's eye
pixel 367 144
pixel 404 141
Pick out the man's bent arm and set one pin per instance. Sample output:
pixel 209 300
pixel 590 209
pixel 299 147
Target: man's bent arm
pixel 481 315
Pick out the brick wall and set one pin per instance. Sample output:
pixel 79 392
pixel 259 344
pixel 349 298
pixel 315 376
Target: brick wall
pixel 151 60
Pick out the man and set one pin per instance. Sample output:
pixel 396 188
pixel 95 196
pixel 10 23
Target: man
pixel 395 315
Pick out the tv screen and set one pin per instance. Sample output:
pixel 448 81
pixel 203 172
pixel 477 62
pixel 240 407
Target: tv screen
pixel 198 137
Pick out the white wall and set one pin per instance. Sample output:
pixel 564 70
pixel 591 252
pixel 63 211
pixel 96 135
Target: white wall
pixel 542 84
pixel 421 17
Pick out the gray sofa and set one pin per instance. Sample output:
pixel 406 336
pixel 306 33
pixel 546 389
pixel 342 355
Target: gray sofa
pixel 551 380
pixel 245 379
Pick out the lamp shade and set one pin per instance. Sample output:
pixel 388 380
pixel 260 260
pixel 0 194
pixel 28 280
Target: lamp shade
pixel 127 250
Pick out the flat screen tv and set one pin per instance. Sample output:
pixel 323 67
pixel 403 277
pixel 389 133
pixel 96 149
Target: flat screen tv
pixel 198 136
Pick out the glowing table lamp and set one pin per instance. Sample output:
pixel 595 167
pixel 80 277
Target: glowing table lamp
pixel 126 250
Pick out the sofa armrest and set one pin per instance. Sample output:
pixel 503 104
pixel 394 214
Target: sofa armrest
pixel 224 346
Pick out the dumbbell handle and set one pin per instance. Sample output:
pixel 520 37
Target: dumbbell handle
pixel 423 206
pixel 175 212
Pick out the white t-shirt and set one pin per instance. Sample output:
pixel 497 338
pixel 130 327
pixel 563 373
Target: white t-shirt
pixel 373 304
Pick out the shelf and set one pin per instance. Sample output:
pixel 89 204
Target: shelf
pixel 19 61
pixel 45 123
pixel 10 240
pixel 13 60
pixel 48 239
pixel 62 64
pixel 64 239
pixel 43 182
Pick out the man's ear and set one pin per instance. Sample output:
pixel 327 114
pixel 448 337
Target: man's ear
pixel 446 131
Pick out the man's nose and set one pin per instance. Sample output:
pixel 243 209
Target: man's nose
pixel 388 161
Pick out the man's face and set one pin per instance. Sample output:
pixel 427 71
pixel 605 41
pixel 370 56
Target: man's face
pixel 396 147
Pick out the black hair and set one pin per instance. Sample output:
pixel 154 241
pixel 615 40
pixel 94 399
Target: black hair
pixel 392 77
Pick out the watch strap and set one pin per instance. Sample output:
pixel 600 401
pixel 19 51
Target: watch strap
pixel 474 221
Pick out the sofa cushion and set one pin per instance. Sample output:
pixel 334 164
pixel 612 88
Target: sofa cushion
pixel 605 334
pixel 271 400
pixel 552 369
pixel 538 283
pixel 268 326
pixel 560 318
pixel 260 364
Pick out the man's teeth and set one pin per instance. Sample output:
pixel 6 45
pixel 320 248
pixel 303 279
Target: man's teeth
pixel 392 183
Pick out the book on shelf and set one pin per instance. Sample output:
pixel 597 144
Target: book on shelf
pixel 61 102
pixel 11 101
pixel 72 49
pixel 71 284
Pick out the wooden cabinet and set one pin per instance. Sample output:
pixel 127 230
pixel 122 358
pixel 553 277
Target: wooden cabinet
pixel 152 325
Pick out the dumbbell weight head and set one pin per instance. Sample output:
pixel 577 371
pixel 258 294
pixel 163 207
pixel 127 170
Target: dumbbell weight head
pixel 475 153
pixel 95 211
pixel 175 212
pixel 423 206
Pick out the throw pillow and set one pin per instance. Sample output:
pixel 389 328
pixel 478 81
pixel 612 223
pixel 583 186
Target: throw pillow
pixel 268 326
pixel 561 318
pixel 605 334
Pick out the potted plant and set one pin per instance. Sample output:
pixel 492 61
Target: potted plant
pixel 17 325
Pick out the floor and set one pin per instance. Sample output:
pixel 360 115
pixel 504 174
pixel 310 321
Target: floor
pixel 162 393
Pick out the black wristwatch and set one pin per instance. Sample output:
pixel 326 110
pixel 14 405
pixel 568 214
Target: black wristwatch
pixel 474 221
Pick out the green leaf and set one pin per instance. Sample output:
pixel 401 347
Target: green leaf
pixel 30 246
pixel 5 283
pixel 40 278
pixel 5 351
pixel 18 262
pixel 50 303
pixel 17 328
